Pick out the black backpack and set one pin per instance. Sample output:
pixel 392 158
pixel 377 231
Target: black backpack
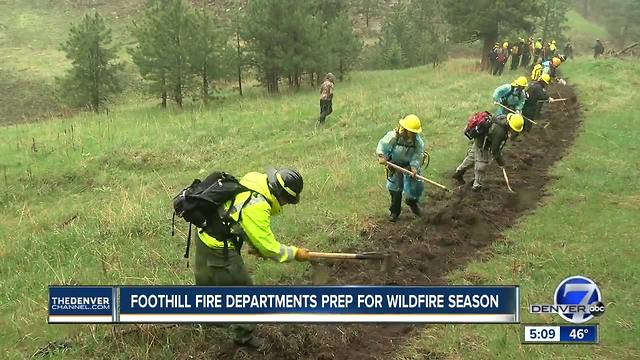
pixel 199 204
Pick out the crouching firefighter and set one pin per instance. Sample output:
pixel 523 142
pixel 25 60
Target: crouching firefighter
pixel 228 212
pixel 489 135
pixel 403 147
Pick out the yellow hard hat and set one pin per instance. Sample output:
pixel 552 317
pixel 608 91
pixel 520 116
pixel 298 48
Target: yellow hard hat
pixel 553 41
pixel 516 122
pixel 411 123
pixel 521 81
pixel 546 78
pixel 505 45
pixel 556 61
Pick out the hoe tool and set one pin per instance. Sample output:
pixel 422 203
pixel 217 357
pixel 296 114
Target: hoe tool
pixel 526 118
pixel 321 275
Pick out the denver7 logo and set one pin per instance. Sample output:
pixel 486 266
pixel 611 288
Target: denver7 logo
pixel 579 290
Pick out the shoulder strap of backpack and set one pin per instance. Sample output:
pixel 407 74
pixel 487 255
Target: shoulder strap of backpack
pixel 236 240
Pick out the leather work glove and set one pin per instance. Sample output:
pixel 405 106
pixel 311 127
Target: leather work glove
pixel 382 160
pixel 302 254
pixel 562 82
pixel 550 99
pixel 414 172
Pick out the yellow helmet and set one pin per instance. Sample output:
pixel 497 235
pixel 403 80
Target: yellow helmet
pixel 505 45
pixel 516 122
pixel 553 42
pixel 556 61
pixel 521 81
pixel 411 123
pixel 546 78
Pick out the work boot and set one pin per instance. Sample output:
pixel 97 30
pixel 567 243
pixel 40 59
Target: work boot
pixel 396 205
pixel 253 342
pixel 459 176
pixel 413 204
pixel 476 187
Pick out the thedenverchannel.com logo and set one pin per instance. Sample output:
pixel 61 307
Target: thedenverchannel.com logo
pixel 577 299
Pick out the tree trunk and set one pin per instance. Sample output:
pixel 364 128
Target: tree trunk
pixel 489 38
pixel 178 92
pixel 164 91
pixel 205 84
pixel 366 18
pixel 545 29
pixel 239 62
pixel 585 8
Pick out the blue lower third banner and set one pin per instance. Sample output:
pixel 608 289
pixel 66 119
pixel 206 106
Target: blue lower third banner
pixel 82 304
pixel 319 304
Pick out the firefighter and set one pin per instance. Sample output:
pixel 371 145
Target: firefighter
pixel 218 259
pixel 326 96
pixel 404 147
pixel 511 95
pixel 483 147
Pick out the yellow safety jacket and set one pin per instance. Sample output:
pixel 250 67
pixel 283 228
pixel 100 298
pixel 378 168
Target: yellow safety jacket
pixel 255 222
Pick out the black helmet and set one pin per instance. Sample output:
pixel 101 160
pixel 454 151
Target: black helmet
pixel 285 183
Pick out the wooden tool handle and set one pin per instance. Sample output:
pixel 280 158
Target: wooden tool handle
pixel 526 118
pixel 358 256
pixel 400 168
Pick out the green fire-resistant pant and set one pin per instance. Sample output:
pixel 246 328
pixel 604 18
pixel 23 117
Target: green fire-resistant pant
pixel 213 268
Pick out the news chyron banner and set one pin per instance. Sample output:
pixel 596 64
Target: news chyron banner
pixel 285 304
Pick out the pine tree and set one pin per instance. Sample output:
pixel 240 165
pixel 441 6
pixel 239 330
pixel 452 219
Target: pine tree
pixel 368 9
pixel 485 20
pixel 622 20
pixel 204 51
pixel 284 38
pixel 93 76
pixel 552 19
pixel 148 55
pixel 344 45
pixel 162 53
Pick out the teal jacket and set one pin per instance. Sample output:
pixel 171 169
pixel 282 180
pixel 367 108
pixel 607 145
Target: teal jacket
pixel 514 100
pixel 399 151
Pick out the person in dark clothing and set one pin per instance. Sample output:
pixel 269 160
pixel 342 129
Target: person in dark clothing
pixel 483 147
pixel 568 51
pixel 516 53
pixel 536 95
pixel 537 51
pixel 501 59
pixel 598 49
pixel 493 53
pixel 526 53
pixel 326 97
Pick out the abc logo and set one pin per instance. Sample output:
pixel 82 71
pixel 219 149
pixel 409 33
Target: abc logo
pixel 579 290
pixel 596 309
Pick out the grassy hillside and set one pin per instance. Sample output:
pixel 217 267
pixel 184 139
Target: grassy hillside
pixel 587 226
pixel 91 204
pixel 30 35
pixel 583 32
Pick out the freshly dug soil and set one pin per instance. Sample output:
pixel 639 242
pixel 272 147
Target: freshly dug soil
pixel 455 229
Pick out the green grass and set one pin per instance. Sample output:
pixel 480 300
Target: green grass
pixel 31 32
pixel 587 226
pixel 583 32
pixel 117 174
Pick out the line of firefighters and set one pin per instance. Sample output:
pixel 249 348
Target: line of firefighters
pixel 523 54
pixel 219 262
pixel 519 104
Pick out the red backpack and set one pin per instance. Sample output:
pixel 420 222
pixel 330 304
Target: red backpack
pixel 478 125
